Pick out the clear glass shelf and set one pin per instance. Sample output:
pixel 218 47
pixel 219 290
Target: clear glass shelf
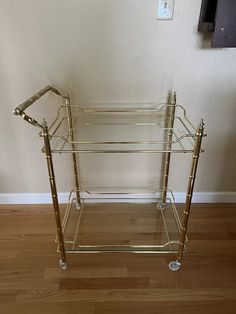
pixel 109 224
pixel 142 128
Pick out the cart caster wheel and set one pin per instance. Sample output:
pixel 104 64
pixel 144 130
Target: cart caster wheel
pixel 161 206
pixel 78 206
pixel 63 264
pixel 174 265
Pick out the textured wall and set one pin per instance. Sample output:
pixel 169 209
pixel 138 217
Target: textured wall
pixel 112 50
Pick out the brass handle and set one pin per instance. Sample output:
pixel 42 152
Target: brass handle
pixel 20 110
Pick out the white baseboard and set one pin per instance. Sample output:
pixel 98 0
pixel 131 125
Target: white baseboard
pixel 45 198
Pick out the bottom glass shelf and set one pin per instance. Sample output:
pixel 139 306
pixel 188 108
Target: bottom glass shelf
pixel 121 225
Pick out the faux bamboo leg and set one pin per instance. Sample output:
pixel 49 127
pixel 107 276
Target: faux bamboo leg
pixel 74 158
pixel 52 181
pixel 169 125
pixel 175 265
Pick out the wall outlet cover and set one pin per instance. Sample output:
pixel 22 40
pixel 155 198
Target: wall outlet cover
pixel 165 9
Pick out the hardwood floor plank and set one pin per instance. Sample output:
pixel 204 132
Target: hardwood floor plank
pixel 19 273
pixel 86 272
pixel 7 296
pixel 105 283
pixel 48 308
pixel 104 295
pixel 163 307
pixel 8 254
pixel 29 284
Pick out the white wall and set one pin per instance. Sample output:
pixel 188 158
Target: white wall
pixel 112 50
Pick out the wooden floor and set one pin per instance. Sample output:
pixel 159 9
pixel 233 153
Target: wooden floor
pixel 32 282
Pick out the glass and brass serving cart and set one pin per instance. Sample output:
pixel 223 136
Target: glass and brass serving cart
pixel 119 141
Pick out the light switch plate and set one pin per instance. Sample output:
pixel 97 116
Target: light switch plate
pixel 165 9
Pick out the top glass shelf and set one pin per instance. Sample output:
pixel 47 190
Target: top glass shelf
pixel 122 128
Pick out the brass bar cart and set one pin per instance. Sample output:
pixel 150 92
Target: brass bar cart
pixel 122 130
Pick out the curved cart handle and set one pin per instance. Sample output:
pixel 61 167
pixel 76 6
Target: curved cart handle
pixel 20 110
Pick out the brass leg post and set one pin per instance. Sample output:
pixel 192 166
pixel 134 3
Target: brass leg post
pixel 175 265
pixel 74 158
pixel 169 126
pixel 52 181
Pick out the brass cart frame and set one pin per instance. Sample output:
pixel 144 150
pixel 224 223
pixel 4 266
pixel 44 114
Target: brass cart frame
pixel 167 146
